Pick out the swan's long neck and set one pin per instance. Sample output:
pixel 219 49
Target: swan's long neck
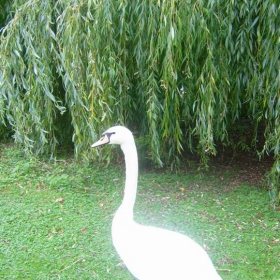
pixel 131 167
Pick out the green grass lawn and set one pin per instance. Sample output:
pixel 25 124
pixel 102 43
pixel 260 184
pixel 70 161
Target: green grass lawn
pixel 55 218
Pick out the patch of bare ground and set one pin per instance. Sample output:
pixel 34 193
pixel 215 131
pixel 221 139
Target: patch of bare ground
pixel 242 168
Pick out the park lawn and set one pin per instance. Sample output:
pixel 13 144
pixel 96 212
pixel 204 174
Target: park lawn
pixel 55 218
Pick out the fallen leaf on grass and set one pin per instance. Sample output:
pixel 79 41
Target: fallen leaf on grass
pixel 60 200
pixel 54 231
pixel 120 264
pixel 206 248
pixel 276 241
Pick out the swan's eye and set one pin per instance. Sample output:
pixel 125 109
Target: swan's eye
pixel 108 134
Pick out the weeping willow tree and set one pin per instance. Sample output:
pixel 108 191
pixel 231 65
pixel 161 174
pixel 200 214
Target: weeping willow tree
pixel 181 72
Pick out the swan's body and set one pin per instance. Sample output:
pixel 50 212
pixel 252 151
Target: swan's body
pixel 151 253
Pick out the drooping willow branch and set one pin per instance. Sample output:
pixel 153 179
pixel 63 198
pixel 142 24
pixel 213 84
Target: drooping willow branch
pixel 181 72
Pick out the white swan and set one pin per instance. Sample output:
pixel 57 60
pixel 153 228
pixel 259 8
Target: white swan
pixel 148 252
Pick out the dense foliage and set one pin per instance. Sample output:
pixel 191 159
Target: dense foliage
pixel 182 72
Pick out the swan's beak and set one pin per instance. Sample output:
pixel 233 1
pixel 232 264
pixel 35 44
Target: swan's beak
pixel 102 141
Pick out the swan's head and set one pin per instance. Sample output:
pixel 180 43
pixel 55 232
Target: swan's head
pixel 115 135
